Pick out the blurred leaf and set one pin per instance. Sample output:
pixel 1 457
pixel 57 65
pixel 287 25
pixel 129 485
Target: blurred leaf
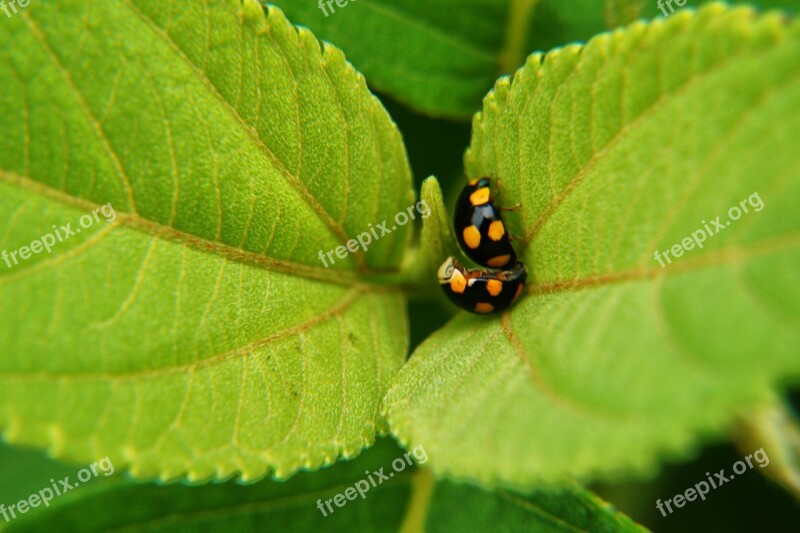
pixel 24 471
pixel 651 8
pixel 557 23
pixel 621 12
pixel 776 429
pixel 264 506
pixel 407 497
pixel 438 57
pixel 465 508
pixel 612 362
pixel 751 502
pixel 198 332
pixel 435 146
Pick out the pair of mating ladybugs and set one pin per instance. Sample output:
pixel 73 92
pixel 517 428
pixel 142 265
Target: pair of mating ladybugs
pixel 483 237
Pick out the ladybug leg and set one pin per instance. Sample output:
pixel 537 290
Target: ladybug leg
pixel 494 194
pixel 496 188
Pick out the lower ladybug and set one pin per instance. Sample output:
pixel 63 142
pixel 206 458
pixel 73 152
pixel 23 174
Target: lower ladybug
pixel 479 228
pixel 480 291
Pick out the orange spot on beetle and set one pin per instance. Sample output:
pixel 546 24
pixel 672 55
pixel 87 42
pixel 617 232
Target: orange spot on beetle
pixel 494 287
pixel 499 261
pixel 479 197
pixel 458 283
pixel 483 307
pixel 472 237
pixel 496 230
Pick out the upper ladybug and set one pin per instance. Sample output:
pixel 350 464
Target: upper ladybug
pixel 479 228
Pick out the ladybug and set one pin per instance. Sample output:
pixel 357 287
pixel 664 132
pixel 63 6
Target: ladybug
pixel 479 228
pixel 481 291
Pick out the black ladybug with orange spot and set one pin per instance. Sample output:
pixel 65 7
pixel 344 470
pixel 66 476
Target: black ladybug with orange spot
pixel 479 227
pixel 483 238
pixel 481 291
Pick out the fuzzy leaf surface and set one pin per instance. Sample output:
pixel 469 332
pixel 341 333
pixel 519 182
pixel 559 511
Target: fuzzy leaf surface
pixel 196 332
pixel 617 150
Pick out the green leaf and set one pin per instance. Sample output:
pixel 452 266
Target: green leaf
pixel 465 508
pixel 557 23
pixel 436 241
pixel 616 151
pixel 263 506
pixel 197 333
pixel 408 497
pixel 620 12
pixel 775 428
pixel 651 9
pixel 25 471
pixel 417 51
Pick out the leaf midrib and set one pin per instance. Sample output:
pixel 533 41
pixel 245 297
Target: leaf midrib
pixel 677 92
pixel 149 227
pixel 294 181
pixel 241 351
pixel 724 256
